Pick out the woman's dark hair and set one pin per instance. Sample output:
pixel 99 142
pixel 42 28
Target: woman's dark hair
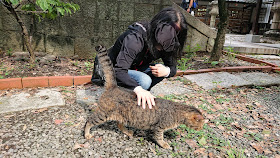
pixel 170 16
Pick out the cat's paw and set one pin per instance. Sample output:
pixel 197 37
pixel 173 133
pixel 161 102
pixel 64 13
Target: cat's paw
pixel 88 136
pixel 129 133
pixel 165 145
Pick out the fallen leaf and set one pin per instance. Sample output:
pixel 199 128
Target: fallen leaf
pixel 219 87
pixel 267 151
pixel 98 139
pixel 218 107
pixel 211 155
pixel 202 141
pixel 221 127
pixel 78 146
pixel 257 147
pixel 58 122
pixel 8 116
pixel 266 132
pixel 191 143
pixel 236 125
pixel 39 110
pixel 200 151
pixel 24 127
pixel 258 104
pixel 277 156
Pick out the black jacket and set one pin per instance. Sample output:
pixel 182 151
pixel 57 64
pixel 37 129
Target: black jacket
pixel 130 52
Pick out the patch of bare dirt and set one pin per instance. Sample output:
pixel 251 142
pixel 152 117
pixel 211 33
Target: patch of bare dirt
pixel 60 66
pixel 14 67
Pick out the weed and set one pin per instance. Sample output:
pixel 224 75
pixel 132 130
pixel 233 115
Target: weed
pixel 214 63
pixel 158 152
pixel 253 136
pixel 173 97
pixel 75 63
pixel 174 144
pixel 140 141
pixel 89 65
pixel 221 99
pixel 182 64
pixel 236 153
pixel 9 52
pixel 258 87
pixel 223 120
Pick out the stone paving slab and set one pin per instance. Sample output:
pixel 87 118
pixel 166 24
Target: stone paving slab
pixel 227 80
pixel 223 79
pixel 24 101
pixel 169 87
pixel 271 57
pixel 89 96
pixel 261 79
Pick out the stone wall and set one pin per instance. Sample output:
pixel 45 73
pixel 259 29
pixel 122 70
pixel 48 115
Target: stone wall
pixel 98 22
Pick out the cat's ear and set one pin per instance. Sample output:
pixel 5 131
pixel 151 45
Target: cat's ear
pixel 198 117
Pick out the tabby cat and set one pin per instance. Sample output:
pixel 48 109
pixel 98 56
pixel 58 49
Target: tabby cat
pixel 120 104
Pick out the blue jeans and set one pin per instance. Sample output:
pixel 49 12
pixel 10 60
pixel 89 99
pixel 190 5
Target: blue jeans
pixel 145 78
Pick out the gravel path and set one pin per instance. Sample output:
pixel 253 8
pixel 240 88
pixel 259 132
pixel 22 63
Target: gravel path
pixel 58 131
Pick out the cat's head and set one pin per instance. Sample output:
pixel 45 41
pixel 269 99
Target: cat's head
pixel 194 120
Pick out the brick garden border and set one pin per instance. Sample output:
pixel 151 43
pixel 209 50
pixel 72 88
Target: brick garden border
pixel 54 81
pixel 268 68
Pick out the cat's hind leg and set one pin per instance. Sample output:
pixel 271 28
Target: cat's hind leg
pixel 95 120
pixel 87 130
pixel 158 137
pixel 125 130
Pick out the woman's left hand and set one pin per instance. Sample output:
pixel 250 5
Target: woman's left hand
pixel 160 70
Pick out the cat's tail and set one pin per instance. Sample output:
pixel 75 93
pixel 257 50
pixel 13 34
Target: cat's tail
pixel 106 64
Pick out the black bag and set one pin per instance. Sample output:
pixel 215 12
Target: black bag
pixel 98 74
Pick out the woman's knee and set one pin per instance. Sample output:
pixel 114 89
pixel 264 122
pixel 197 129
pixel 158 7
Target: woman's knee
pixel 145 81
pixel 141 78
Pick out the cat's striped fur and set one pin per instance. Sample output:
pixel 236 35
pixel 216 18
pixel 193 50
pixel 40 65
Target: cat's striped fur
pixel 120 104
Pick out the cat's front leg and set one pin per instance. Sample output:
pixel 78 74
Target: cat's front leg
pixel 125 130
pixel 87 130
pixel 158 136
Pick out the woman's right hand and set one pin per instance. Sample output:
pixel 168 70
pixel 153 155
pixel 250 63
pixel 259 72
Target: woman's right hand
pixel 144 96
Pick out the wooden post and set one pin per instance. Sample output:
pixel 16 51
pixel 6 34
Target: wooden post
pixel 255 26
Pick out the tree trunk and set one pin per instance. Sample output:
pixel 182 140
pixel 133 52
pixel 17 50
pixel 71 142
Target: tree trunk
pixel 255 26
pixel 25 33
pixel 222 28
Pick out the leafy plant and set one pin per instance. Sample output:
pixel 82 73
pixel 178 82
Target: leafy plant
pixel 141 141
pixel 214 63
pixel 236 153
pixel 9 52
pixel 89 65
pixel 253 136
pixel 41 9
pixel 190 53
pixel 192 49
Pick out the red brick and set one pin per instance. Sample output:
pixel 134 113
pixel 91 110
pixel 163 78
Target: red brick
pixel 276 69
pixel 10 83
pixel 35 82
pixel 179 73
pixel 61 81
pixel 188 72
pixel 204 70
pixel 216 70
pixel 266 68
pixel 80 80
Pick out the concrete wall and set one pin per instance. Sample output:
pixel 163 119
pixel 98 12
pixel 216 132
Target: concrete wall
pixel 98 22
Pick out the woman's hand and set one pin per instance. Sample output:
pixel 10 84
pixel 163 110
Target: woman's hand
pixel 144 96
pixel 160 70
